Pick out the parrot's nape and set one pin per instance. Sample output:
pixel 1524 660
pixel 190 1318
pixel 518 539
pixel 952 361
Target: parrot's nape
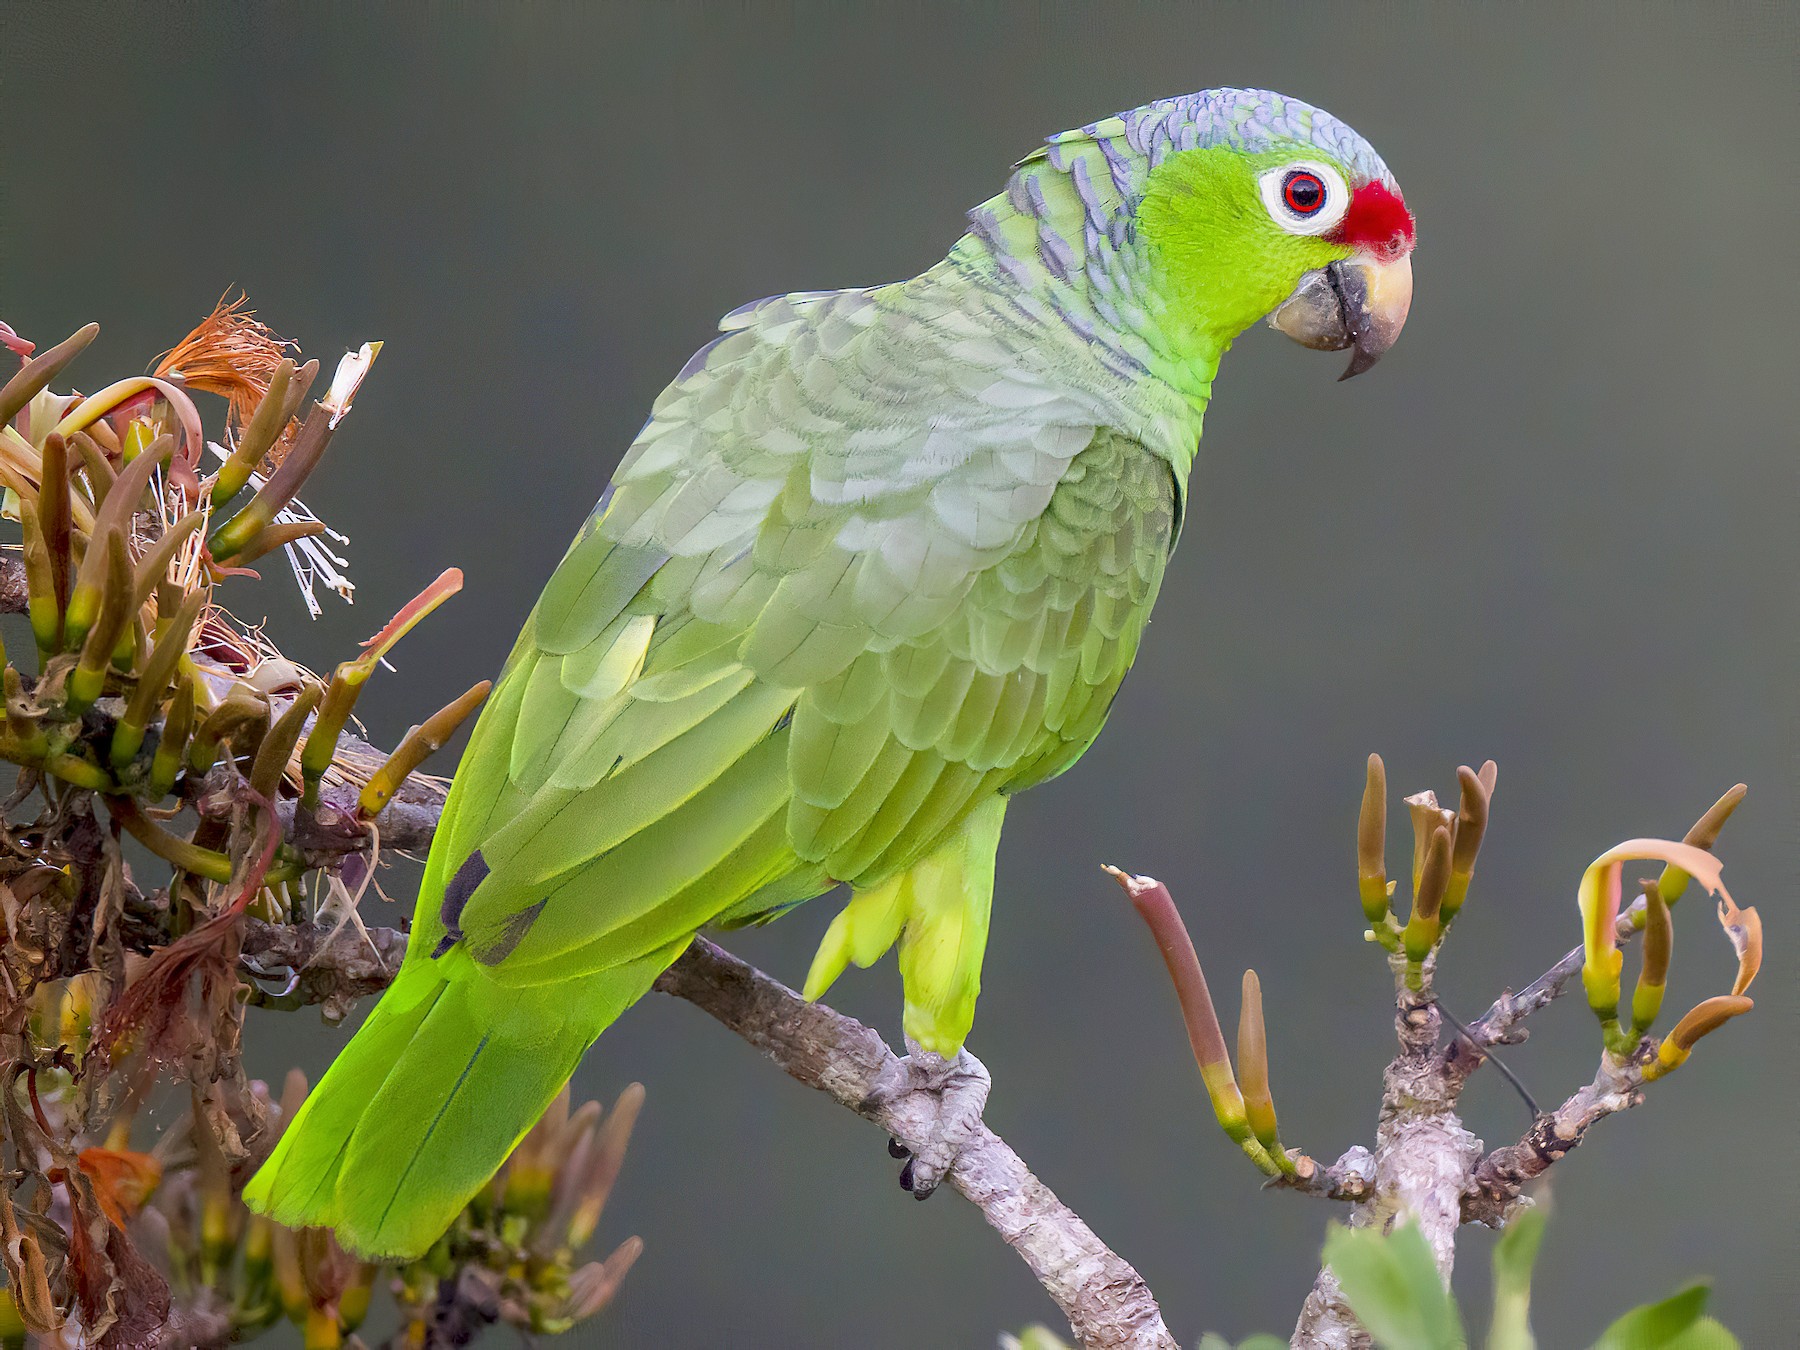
pixel 880 559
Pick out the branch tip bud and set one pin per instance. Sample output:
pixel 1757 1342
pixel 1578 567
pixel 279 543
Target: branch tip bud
pixel 1371 844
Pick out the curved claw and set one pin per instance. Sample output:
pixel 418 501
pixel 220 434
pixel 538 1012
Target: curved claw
pixel 933 1106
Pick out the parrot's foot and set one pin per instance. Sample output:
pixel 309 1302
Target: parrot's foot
pixel 937 1105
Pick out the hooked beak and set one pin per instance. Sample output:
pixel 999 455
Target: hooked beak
pixel 1360 302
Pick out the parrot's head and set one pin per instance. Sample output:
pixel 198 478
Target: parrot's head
pixel 1283 213
pixel 1209 212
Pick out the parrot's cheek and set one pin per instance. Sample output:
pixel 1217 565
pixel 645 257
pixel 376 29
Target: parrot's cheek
pixel 1359 302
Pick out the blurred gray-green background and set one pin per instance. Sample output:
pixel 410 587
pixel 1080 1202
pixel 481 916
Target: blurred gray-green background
pixel 1557 527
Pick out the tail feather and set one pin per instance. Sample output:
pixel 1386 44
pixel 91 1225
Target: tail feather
pixel 429 1098
pixel 297 1184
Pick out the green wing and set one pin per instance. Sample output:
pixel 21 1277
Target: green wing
pixel 862 570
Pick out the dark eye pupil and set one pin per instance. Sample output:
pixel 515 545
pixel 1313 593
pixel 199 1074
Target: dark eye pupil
pixel 1304 193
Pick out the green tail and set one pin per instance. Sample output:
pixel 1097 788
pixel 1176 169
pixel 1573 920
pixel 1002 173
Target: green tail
pixel 431 1095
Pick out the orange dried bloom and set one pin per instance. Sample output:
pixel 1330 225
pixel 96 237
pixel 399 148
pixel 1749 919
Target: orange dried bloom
pixel 230 353
pixel 122 1179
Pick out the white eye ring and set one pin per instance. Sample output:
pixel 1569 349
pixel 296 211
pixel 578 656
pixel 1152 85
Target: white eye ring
pixel 1324 217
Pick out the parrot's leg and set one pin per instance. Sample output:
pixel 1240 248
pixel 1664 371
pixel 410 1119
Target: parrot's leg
pixel 938 912
pixel 946 1098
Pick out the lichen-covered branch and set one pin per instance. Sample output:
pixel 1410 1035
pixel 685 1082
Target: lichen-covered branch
pixel 1433 1172
pixel 1422 1163
pixel 1499 1025
pixel 334 827
pixel 1500 1178
pixel 332 967
pixel 1106 1301
pixel 1427 1169
pixel 15 591
pixel 1349 1179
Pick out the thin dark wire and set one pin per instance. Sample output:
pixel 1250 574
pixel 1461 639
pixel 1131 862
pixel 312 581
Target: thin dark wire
pixel 1493 1059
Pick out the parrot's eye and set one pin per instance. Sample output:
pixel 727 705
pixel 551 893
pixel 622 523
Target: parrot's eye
pixel 1305 198
pixel 1303 192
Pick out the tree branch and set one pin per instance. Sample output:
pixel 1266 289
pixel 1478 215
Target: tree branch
pixel 1350 1178
pixel 1427 1165
pixel 1108 1305
pixel 1499 1024
pixel 1500 1177
pixel 332 967
pixel 1427 1168
pixel 1423 1160
pixel 1106 1301
pixel 15 590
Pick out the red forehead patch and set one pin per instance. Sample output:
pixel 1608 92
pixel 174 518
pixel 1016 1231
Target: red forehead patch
pixel 1377 221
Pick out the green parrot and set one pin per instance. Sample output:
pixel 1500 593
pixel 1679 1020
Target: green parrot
pixel 879 560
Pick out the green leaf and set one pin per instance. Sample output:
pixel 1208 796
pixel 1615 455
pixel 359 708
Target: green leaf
pixel 1514 1256
pixel 1213 1341
pixel 1676 1323
pixel 1264 1342
pixel 1033 1338
pixel 1707 1334
pixel 1393 1288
